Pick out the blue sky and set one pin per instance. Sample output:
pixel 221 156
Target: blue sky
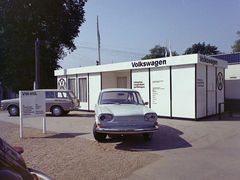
pixel 130 28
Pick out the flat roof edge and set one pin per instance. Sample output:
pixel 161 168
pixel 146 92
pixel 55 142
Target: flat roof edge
pixel 149 63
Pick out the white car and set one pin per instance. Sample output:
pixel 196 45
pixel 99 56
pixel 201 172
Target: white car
pixel 122 111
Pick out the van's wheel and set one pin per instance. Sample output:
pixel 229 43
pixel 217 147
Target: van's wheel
pixel 98 136
pixel 13 110
pixel 57 110
pixel 147 136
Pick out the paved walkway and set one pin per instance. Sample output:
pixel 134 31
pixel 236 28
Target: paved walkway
pixel 205 149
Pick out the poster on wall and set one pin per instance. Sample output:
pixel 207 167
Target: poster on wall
pixel 160 91
pixel 140 82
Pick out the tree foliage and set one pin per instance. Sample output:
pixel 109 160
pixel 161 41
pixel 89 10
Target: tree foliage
pixel 158 52
pixel 55 22
pixel 202 49
pixel 236 46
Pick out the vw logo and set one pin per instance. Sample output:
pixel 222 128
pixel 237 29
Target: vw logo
pixel 129 119
pixel 61 84
pixel 220 81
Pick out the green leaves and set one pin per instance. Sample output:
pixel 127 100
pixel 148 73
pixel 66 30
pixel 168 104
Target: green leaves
pixel 236 46
pixel 55 22
pixel 158 52
pixel 202 49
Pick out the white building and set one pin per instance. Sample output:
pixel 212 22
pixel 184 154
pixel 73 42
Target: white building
pixel 232 82
pixel 188 86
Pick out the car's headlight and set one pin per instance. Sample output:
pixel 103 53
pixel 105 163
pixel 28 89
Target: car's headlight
pixel 105 117
pixel 151 117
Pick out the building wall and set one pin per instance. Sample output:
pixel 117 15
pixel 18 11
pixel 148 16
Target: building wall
pixel 183 91
pixel 94 89
pixel 232 81
pixel 201 93
pixel 109 79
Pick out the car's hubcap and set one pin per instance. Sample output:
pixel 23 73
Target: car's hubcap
pixel 13 110
pixel 56 110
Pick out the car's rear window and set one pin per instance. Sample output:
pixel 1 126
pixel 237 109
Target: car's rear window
pixel 63 95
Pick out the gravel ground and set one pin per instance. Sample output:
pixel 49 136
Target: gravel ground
pixel 62 156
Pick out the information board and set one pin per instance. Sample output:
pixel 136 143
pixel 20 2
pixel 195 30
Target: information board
pixel 32 103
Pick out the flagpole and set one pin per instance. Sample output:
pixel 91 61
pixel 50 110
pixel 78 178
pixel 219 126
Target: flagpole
pixel 170 49
pixel 166 53
pixel 98 35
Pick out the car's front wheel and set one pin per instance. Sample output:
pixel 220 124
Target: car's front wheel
pixel 98 136
pixel 57 111
pixel 13 110
pixel 147 136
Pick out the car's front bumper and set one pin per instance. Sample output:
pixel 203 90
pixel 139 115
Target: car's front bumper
pixel 126 130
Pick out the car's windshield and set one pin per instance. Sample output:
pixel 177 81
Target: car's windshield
pixel 121 97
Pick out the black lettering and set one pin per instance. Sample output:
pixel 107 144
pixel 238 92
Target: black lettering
pixel 134 64
pixel 25 93
pixel 148 63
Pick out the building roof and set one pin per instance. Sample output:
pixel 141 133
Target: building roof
pixel 230 58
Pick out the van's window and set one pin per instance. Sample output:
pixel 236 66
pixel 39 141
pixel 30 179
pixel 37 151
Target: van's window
pixel 61 95
pixel 49 94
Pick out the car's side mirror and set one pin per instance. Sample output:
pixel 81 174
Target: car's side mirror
pixel 145 103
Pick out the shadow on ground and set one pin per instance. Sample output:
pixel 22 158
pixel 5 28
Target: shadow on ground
pixel 223 117
pixel 72 115
pixel 164 139
pixel 60 135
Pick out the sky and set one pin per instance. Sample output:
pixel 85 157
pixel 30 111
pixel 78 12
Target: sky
pixel 130 28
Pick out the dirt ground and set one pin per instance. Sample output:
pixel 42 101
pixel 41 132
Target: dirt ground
pixel 64 157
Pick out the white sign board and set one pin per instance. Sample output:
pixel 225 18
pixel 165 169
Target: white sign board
pixel 32 103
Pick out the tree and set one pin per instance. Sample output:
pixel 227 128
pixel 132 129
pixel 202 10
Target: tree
pixel 202 49
pixel 236 46
pixel 158 52
pixel 55 22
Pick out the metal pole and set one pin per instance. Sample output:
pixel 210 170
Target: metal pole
pixel 37 64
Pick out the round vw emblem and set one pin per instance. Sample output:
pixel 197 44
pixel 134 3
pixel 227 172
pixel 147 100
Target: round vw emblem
pixel 220 81
pixel 129 119
pixel 61 83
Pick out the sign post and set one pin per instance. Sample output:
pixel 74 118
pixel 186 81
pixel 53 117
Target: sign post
pixel 32 104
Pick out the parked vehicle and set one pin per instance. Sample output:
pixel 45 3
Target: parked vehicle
pixel 13 166
pixel 58 102
pixel 122 111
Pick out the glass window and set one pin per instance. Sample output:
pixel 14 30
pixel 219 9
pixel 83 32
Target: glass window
pixel 83 89
pixel 62 95
pixel 122 97
pixel 49 94
pixel 71 85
